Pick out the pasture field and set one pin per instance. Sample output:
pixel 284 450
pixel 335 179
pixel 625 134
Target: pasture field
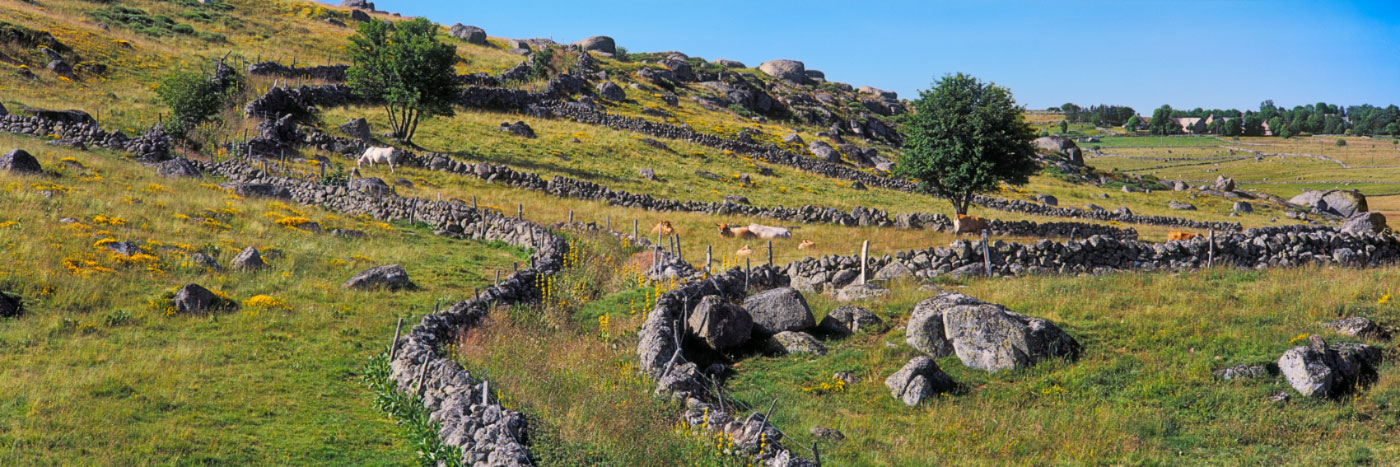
pixel 100 370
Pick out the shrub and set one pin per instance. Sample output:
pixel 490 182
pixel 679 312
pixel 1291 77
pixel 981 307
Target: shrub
pixel 1341 142
pixel 192 98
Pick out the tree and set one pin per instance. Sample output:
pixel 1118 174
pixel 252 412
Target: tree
pixel 405 67
pixel 194 99
pixel 1064 127
pixel 1133 123
pixel 966 137
pixel 1162 122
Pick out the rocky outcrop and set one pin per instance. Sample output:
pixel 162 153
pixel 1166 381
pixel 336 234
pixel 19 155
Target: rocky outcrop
pixel 19 161
pixel 471 34
pixel 1322 370
pixel 989 337
pixel 847 320
pixel 1057 144
pixel 778 310
pixel 796 342
pixel 177 168
pixel 194 298
pixel 1344 203
pixel 248 260
pixel 390 277
pixel 918 380
pixel 600 44
pixel 333 73
pixel 1365 222
pixel 791 71
pixel 720 324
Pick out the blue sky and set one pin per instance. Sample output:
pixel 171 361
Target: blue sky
pixel 1227 54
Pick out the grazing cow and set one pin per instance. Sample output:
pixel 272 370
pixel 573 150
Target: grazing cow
pixel 664 228
pixel 1175 236
pixel 969 224
pixel 806 244
pixel 745 251
pixel 375 155
pixel 727 231
pixel 768 232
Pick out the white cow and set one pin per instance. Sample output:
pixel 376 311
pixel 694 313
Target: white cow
pixel 375 155
pixel 764 231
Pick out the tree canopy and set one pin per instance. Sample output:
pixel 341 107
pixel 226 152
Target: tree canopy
pixel 404 66
pixel 965 137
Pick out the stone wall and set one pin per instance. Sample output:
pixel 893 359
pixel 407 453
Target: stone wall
pixel 153 146
pixel 322 72
pixel 1253 248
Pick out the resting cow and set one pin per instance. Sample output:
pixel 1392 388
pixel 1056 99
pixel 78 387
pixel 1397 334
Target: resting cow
pixel 664 228
pixel 745 251
pixel 806 244
pixel 376 155
pixel 764 231
pixel 727 231
pixel 968 224
pixel 1175 236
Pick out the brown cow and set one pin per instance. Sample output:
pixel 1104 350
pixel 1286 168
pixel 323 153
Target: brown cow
pixel 745 251
pixel 727 231
pixel 969 224
pixel 1175 236
pixel 806 244
pixel 664 227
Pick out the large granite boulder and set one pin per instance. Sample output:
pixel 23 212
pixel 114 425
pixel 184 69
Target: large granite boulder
pixel 1224 184
pixel 471 34
pixel 778 310
pixel 248 260
pixel 371 185
pixel 824 151
pixel 177 168
pixel 1057 144
pixel 791 71
pixel 611 91
pixel 1345 203
pixel 390 277
pixel 990 337
pixel 846 320
pixel 720 324
pixel 1355 326
pixel 21 162
pixel 919 379
pixel 601 44
pixel 357 128
pixel 795 342
pixel 1364 222
pixel 259 190
pixel 194 298
pixel 1321 370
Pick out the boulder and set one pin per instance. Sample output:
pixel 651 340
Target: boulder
pixel 258 190
pixel 856 292
pixel 357 128
pixel 602 44
pixel 362 4
pixel 1320 370
pixel 611 91
pixel 391 277
pixel 990 337
pixel 11 306
pixel 1242 207
pixel 76 117
pixel 881 93
pixel 826 434
pixel 248 260
pixel 736 199
pixel 1180 206
pixel 471 34
pixel 1246 371
pixel 1345 203
pixel 729 63
pixel 892 271
pixel 787 70
pixel 1364 222
pixel 60 67
pixel 205 261
pixel 21 162
pixel 1355 326
pixel 924 331
pixel 846 320
pixel 778 310
pixel 194 298
pixel 1179 186
pixel 177 168
pixel 371 185
pixel 918 380
pixel 519 128
pixel 1057 144
pixel 720 324
pixel 1223 183
pixel 127 249
pixel 794 342
pixel 648 174
pixel 1047 200
pixel 824 151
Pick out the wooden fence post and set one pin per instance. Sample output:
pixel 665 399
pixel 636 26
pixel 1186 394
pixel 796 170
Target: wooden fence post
pixel 571 217
pixel 1210 255
pixel 864 255
pixel 520 211
pixel 607 221
pixel 634 231
pixel 770 252
pixel 708 251
pixel 394 344
pixel 986 255
pixel 474 202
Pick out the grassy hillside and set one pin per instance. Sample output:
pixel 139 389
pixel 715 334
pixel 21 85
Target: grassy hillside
pixel 101 370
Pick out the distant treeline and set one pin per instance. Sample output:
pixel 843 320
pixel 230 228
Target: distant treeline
pixel 1319 118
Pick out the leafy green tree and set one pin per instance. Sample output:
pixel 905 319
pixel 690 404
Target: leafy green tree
pixel 966 137
pixel 1162 122
pixel 404 66
pixel 1064 127
pixel 1341 142
pixel 193 98
pixel 1133 123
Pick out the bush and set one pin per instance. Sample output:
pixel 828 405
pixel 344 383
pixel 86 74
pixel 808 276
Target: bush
pixel 1341 142
pixel 183 29
pixel 193 99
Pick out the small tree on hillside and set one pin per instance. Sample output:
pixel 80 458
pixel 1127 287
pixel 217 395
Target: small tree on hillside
pixel 194 99
pixel 404 66
pixel 965 137
pixel 1064 127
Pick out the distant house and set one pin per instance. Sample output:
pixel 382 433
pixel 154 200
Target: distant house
pixel 1267 131
pixel 1192 125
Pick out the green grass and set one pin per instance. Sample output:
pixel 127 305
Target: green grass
pixel 1142 392
pixel 95 373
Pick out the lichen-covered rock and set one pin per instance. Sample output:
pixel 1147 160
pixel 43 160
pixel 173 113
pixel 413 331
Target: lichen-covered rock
pixel 611 91
pixel 390 277
pixel 1320 370
pixel 720 324
pixel 793 342
pixel 177 168
pixel 1355 326
pixel 371 185
pixel 1364 223
pixel 471 34
pixel 248 260
pixel 858 292
pixel 21 162
pixel 778 310
pixel 194 298
pixel 990 337
pixel 1246 371
pixel 918 380
pixel 791 71
pixel 602 44
pixel 846 320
